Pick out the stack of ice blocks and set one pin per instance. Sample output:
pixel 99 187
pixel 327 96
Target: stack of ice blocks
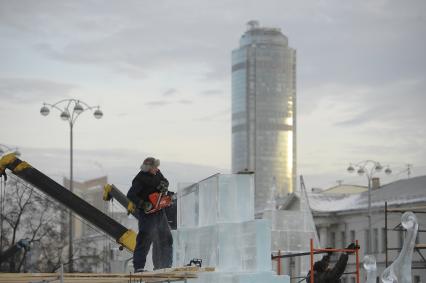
pixel 216 224
pixel 291 230
pixel 291 233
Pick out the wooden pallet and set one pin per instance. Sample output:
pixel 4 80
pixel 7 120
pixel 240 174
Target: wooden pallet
pixel 162 275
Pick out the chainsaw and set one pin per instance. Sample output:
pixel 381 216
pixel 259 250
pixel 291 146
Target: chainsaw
pixel 158 201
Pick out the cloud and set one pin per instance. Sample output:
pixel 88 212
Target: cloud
pixel 212 92
pixel 400 104
pixel 360 64
pixel 184 101
pixel 170 92
pixel 160 103
pixel 216 116
pixel 157 103
pixel 28 90
pixel 336 42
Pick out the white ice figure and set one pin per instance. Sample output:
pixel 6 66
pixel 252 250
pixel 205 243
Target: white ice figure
pixel 369 263
pixel 400 270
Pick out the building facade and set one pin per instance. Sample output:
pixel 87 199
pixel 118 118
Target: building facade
pixel 341 218
pixel 264 111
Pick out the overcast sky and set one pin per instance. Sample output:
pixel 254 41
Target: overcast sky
pixel 160 70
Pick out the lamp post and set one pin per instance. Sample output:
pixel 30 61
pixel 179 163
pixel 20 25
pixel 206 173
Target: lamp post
pixel 70 110
pixel 368 168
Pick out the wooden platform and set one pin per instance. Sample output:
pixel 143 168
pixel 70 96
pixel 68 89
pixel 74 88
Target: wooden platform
pixel 163 275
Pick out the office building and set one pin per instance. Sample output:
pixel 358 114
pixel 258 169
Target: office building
pixel 264 111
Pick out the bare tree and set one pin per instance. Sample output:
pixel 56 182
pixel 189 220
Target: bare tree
pixel 27 213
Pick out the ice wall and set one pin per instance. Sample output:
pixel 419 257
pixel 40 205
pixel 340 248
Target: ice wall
pixel 218 199
pixel 291 230
pixel 216 224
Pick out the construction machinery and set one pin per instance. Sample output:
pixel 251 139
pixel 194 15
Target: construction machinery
pixel 125 237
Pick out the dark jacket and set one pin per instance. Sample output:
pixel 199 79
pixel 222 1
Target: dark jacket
pixel 143 185
pixel 330 275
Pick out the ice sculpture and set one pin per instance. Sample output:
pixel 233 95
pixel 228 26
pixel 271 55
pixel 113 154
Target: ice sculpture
pixel 400 270
pixel 217 224
pixel 292 230
pixel 369 263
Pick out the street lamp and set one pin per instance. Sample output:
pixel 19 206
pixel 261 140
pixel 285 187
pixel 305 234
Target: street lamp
pixel 70 110
pixel 368 168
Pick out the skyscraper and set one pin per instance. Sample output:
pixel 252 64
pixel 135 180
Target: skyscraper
pixel 264 111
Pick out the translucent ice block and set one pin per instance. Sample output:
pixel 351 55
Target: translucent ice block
pixel 199 243
pixel 236 198
pixel 188 203
pixel 208 201
pixel 226 246
pixel 245 246
pixel 217 199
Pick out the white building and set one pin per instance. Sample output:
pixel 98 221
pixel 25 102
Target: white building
pixel 264 111
pixel 341 218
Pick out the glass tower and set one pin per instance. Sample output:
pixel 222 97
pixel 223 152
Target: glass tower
pixel 264 111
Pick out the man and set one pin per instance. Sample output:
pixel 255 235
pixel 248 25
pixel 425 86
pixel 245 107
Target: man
pixel 153 227
pixel 324 274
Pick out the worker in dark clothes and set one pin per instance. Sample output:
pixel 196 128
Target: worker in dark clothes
pixel 324 274
pixel 153 228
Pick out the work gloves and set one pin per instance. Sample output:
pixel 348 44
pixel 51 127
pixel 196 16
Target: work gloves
pixel 145 205
pixel 163 186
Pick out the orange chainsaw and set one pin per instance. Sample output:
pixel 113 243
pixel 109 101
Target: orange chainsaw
pixel 158 201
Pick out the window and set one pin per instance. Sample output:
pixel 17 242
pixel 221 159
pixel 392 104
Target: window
pixel 343 238
pixel 416 279
pixel 367 240
pixel 375 240
pixel 353 280
pixel 352 236
pixel 333 239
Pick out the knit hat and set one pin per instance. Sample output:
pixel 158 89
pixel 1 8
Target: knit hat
pixel 149 163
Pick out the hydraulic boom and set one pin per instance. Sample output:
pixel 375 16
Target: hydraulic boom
pixel 125 237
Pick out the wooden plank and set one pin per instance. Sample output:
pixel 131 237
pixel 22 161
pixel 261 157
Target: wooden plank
pixel 168 274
